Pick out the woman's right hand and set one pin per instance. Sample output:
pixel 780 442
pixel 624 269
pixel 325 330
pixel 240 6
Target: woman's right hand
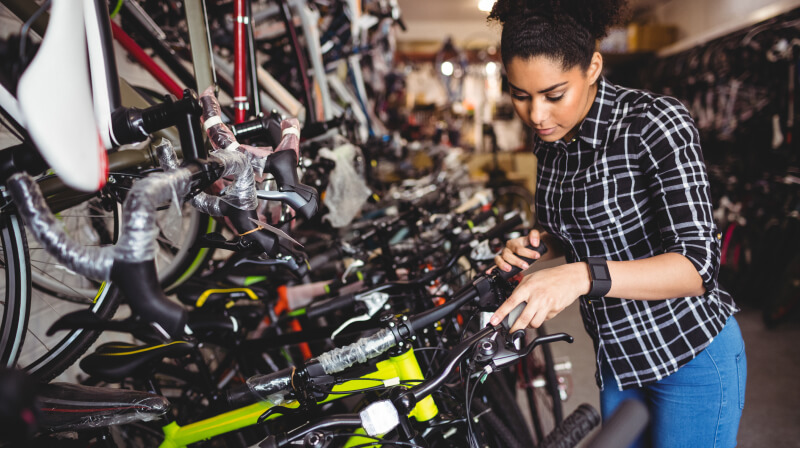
pixel 518 246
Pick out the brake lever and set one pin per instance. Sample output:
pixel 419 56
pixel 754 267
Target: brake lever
pixel 373 301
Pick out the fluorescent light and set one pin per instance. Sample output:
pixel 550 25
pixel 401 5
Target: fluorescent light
pixel 491 68
pixel 485 5
pixel 447 68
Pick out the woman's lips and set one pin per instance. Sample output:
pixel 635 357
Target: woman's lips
pixel 545 131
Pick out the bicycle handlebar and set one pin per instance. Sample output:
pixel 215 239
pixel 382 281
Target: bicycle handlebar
pixel 131 125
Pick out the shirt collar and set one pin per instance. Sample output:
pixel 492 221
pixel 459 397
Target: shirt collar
pixel 595 125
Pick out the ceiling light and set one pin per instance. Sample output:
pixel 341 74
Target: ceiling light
pixel 447 68
pixel 485 5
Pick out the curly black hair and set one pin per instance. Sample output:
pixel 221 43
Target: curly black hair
pixel 564 30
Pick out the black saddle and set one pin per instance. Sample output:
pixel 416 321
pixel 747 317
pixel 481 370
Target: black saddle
pixel 76 407
pixel 113 362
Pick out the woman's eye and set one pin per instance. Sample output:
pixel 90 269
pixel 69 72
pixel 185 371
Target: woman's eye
pixel 522 97
pixel 555 98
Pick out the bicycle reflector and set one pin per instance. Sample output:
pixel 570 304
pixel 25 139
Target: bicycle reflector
pixel 379 418
pixel 55 98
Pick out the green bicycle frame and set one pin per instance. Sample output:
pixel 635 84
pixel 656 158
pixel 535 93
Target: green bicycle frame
pixel 402 367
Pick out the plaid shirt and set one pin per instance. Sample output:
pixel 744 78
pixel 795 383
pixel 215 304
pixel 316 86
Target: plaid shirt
pixel 632 184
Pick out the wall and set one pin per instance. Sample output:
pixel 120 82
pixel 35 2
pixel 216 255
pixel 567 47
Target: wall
pixel 701 20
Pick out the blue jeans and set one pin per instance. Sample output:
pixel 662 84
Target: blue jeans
pixel 697 406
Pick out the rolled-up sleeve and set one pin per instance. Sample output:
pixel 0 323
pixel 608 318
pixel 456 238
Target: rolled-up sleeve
pixel 672 161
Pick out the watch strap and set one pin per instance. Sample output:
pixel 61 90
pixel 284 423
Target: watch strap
pixel 601 277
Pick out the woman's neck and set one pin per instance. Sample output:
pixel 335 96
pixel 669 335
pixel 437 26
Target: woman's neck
pixel 574 131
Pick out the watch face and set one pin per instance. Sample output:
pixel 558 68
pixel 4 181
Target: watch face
pixel 599 272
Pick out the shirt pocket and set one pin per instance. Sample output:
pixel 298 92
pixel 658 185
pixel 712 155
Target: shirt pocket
pixel 603 203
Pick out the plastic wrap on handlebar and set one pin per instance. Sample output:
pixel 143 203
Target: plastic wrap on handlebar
pixel 502 228
pixel 261 387
pixel 541 249
pixel 362 350
pixel 320 308
pixel 574 428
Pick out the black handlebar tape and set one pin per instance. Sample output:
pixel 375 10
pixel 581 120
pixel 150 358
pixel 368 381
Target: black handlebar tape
pixel 574 428
pixel 139 282
pixel 262 129
pixel 483 216
pixel 502 228
pixel 325 257
pixel 22 157
pixel 131 125
pixel 200 321
pixel 317 309
pixel 311 130
pixel 624 425
pixel 541 249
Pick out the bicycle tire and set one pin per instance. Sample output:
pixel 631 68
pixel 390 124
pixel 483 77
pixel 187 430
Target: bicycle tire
pixel 541 390
pixel 503 400
pixel 16 290
pixel 495 430
pixel 177 262
pixel 574 428
pixel 57 291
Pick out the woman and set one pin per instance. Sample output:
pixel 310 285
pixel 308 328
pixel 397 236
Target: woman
pixel 623 191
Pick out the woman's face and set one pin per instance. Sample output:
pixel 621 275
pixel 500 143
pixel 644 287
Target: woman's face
pixel 550 100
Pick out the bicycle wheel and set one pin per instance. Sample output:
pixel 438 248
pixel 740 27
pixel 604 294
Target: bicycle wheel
pixel 539 379
pixel 16 289
pixel 58 291
pixel 500 396
pixel 516 198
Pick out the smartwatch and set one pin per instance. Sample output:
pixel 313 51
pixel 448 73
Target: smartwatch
pixel 601 278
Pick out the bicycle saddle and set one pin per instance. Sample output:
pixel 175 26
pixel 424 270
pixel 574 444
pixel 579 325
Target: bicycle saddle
pixel 113 362
pixel 55 99
pixel 75 407
pixel 209 294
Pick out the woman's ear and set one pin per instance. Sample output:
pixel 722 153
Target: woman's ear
pixel 595 68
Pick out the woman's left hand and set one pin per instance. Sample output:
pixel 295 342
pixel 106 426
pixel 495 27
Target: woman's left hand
pixel 547 293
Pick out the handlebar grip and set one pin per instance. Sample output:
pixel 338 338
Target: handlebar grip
pixel 574 428
pixel 541 249
pixel 318 309
pixel 483 216
pixel 321 259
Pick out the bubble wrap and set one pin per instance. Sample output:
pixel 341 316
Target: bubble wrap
pixel 269 387
pixel 362 350
pixel 223 139
pixel 347 192
pixel 93 262
pixel 75 407
pixel 137 241
pixel 241 194
pixel 290 136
